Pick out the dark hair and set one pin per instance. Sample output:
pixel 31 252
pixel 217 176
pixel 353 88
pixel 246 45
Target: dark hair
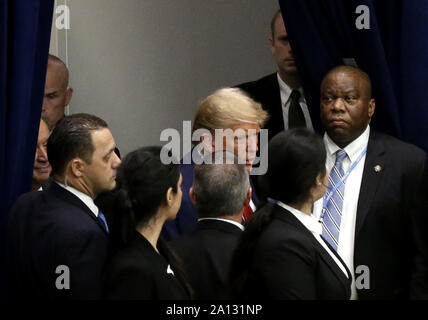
pixel 143 181
pixel 272 23
pixel 71 138
pixel 296 158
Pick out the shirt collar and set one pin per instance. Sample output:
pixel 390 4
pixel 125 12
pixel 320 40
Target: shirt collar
pixel 309 221
pixel 87 200
pixel 240 226
pixel 285 90
pixel 353 150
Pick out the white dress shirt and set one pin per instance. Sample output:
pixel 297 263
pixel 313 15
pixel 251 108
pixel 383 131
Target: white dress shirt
pixel 345 247
pixel 87 200
pixel 313 225
pixel 240 226
pixel 285 92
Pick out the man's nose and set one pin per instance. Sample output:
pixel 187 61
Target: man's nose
pixel 338 105
pixel 42 154
pixel 252 145
pixel 116 161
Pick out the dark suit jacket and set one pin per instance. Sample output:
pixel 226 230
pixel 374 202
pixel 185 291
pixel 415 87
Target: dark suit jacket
pixel 288 262
pixel 266 91
pixel 392 218
pixel 51 228
pixel 139 272
pixel 187 216
pixel 206 254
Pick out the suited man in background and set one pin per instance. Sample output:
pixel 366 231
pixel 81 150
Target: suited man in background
pixel 219 192
pixel 57 239
pixel 376 219
pixel 281 93
pixel 41 168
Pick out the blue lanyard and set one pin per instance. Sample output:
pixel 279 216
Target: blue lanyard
pixel 330 194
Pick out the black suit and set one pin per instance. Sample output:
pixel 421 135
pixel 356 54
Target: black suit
pixel 206 254
pixel 138 272
pixel 392 218
pixel 267 92
pixel 288 262
pixel 48 229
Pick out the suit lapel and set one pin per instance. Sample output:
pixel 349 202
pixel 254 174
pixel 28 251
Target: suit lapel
pixel 276 120
pixel 70 198
pixel 371 178
pixel 325 256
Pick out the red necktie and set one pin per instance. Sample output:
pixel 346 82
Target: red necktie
pixel 247 212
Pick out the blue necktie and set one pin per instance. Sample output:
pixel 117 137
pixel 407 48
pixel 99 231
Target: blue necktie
pixel 103 220
pixel 333 213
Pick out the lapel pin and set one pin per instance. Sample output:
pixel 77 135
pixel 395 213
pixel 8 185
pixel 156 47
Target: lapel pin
pixel 377 168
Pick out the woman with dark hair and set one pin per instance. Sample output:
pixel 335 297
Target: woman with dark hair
pixel 142 267
pixel 281 254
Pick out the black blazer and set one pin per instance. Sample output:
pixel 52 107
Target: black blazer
pixel 266 91
pixel 392 217
pixel 51 228
pixel 288 262
pixel 138 272
pixel 206 254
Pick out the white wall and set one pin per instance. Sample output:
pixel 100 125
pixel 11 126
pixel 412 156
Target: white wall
pixel 143 65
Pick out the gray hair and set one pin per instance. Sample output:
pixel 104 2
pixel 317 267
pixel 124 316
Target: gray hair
pixel 220 189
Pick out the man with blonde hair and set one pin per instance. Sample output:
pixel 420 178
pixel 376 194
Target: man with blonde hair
pixel 241 119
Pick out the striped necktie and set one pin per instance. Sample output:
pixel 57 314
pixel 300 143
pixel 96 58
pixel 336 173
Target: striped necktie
pixel 333 211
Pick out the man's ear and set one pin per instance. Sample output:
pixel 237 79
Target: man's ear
pixel 208 143
pixel 271 44
pixel 77 167
pixel 248 198
pixel 372 107
pixel 68 95
pixel 192 196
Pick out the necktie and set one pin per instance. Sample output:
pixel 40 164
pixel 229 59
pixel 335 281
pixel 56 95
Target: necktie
pixel 333 211
pixel 295 113
pixel 247 212
pixel 103 220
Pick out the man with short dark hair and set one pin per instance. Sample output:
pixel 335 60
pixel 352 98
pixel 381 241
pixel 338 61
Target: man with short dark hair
pixel 374 213
pixel 281 93
pixel 57 239
pixel 220 193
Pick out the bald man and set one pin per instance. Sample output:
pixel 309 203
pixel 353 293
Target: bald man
pixel 57 93
pixel 377 213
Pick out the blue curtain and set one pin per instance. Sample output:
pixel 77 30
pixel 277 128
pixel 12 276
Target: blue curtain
pixel 25 27
pixel 394 52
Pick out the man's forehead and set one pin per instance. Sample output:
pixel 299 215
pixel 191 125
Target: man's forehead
pixel 279 26
pixel 343 81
